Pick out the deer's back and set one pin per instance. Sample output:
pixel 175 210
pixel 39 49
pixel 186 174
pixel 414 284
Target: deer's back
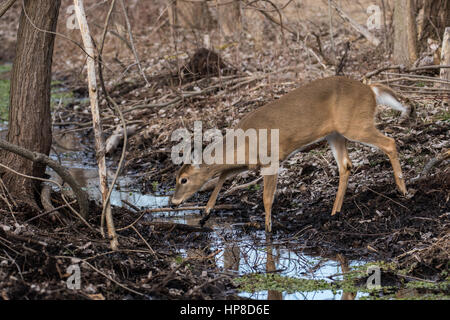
pixel 313 111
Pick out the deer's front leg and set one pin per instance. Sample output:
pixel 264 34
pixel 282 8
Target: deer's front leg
pixel 223 176
pixel 213 197
pixel 215 193
pixel 270 186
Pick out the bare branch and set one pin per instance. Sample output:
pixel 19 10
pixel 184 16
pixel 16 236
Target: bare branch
pixel 60 170
pixel 130 34
pixel 366 33
pixel 8 4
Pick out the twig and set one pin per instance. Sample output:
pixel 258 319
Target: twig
pixel 411 78
pixel 118 135
pixel 105 29
pixel 170 226
pixel 132 206
pixel 111 279
pixel 130 34
pixel 51 211
pixel 421 89
pixel 389 199
pixel 341 64
pixel 366 33
pixel 122 157
pixel 5 7
pixel 217 207
pixel 402 69
pixel 143 239
pixel 330 17
pixel 434 162
pixel 242 186
pixel 314 51
pixel 5 195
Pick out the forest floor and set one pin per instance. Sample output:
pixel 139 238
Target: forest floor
pixel 164 256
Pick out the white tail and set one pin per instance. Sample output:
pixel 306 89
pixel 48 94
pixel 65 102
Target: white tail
pixel 386 97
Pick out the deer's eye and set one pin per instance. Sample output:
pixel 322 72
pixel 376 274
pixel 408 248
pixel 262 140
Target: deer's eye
pixel 183 181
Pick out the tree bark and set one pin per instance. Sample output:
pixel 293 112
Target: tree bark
pixel 405 36
pixel 445 60
pixel 436 17
pixel 29 114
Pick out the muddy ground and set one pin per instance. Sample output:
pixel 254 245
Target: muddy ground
pixel 376 224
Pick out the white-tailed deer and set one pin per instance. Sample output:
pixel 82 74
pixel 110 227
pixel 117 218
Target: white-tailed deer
pixel 336 109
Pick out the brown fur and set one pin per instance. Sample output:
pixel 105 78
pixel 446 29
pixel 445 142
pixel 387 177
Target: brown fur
pixel 337 109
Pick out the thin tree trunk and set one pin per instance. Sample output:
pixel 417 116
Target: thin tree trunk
pixel 445 60
pixel 99 141
pixel 405 37
pixel 436 17
pixel 29 114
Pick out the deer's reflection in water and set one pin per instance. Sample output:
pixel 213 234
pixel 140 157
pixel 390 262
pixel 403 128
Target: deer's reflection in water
pixel 271 266
pixel 345 268
pixel 270 257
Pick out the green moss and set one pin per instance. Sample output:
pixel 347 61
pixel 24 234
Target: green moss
pixel 261 282
pixel 5 68
pixel 155 185
pixel 420 84
pixel 4 100
pixel 319 152
pixel 179 259
pixel 352 282
pixel 443 286
pixel 255 187
pixel 59 94
pixel 443 116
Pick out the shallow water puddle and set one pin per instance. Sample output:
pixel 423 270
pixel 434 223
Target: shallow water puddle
pixel 239 254
pixel 68 151
pixel 242 254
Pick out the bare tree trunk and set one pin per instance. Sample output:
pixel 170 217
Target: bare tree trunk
pixel 445 60
pixel 29 114
pixel 96 122
pixel 190 14
pixel 405 37
pixel 229 17
pixel 436 17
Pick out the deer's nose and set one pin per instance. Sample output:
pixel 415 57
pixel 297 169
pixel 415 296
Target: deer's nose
pixel 176 201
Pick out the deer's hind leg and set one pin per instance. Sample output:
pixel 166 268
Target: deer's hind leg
pixel 338 145
pixel 373 137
